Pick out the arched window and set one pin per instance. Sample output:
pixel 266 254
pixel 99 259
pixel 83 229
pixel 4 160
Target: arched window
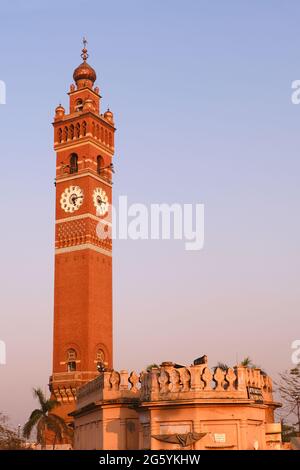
pixel 93 129
pixel 71 360
pixel 65 134
pixel 100 359
pixel 97 131
pixel 100 164
pixel 105 137
pixel 59 135
pixel 79 105
pixel 71 131
pixel 84 128
pixel 101 134
pixel 73 163
pixel 110 139
pixel 77 132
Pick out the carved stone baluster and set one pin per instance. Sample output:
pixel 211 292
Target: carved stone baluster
pixel 185 378
pixel 230 378
pixel 134 380
pixel 175 381
pixel 196 382
pixel 257 378
pixel 115 380
pixel 163 380
pixel 143 385
pixel 123 380
pixel 154 385
pixel 207 378
pixel 219 379
pixel 241 373
pixel 106 380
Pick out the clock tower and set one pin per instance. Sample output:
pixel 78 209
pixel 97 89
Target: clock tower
pixel 84 145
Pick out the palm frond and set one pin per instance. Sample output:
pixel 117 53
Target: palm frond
pixel 40 431
pixel 35 416
pixel 39 394
pixel 51 404
pixel 60 423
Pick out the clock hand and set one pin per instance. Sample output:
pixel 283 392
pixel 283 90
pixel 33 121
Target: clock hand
pixel 74 198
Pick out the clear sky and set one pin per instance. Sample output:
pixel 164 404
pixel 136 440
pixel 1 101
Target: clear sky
pixel 201 92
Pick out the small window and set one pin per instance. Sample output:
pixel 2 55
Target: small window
pixel 100 355
pixel 79 105
pixel 100 164
pixel 73 163
pixel 100 358
pixel 71 366
pixel 71 360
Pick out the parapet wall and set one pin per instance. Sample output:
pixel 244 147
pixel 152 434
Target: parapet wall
pixel 168 382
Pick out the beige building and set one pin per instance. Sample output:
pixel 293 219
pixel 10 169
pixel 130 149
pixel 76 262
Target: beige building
pixel 176 407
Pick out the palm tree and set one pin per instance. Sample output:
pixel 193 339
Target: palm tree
pixel 222 366
pixel 151 366
pixel 44 420
pixel 247 362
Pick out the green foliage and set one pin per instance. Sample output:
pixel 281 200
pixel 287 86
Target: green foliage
pixel 9 438
pixel 151 366
pixel 289 388
pixel 288 431
pixel 222 366
pixel 42 419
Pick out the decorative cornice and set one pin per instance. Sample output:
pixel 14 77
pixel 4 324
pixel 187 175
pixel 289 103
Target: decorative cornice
pixel 81 175
pixel 84 246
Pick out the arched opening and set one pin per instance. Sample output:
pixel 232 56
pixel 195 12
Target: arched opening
pixel 100 164
pixel 100 359
pixel 59 135
pixel 71 360
pixel 66 131
pixel 71 131
pixel 73 163
pixel 84 128
pixel 77 130
pixel 79 105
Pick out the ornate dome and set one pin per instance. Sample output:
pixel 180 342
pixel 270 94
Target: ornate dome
pixel 59 112
pixel 60 109
pixel 84 74
pixel 109 115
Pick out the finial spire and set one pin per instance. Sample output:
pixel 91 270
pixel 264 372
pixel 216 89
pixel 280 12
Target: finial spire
pixel 84 53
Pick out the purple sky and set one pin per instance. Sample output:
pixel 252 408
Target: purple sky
pixel 201 93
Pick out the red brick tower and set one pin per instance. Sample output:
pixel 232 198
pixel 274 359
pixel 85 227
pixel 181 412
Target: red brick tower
pixel 84 145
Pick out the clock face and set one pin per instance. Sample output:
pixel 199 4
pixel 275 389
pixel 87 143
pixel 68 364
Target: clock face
pixel 100 200
pixel 71 199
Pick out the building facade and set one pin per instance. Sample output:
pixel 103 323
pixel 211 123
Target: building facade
pixel 84 145
pixel 175 407
pixel 167 407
